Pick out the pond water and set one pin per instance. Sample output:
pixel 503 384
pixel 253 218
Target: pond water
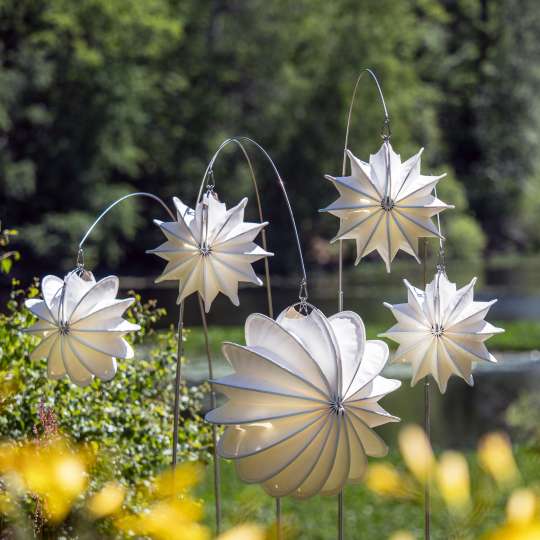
pixel 515 283
pixel 461 415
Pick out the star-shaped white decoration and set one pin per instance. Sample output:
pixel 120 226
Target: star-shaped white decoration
pixel 210 249
pixel 303 402
pixel 385 205
pixel 82 327
pixel 442 331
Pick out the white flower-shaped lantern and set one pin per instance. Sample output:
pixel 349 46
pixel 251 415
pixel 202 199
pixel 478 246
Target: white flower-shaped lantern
pixel 82 327
pixel 386 205
pixel 210 249
pixel 302 402
pixel 442 331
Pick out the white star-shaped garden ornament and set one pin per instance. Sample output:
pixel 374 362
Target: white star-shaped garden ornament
pixel 303 402
pixel 386 205
pixel 210 249
pixel 442 331
pixel 82 327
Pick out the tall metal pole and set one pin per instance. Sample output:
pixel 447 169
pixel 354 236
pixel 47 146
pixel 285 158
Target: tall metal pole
pixel 217 469
pixel 427 418
pixel 177 381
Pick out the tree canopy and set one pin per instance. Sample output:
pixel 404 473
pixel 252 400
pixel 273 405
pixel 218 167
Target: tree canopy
pixel 104 97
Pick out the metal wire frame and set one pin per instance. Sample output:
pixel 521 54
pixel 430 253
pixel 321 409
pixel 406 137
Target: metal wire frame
pixel 385 134
pixel 303 290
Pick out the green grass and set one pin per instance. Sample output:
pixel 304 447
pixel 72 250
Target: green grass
pixel 519 336
pixel 367 516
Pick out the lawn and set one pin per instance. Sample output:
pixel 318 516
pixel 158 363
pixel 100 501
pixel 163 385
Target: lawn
pixel 519 336
pixel 367 516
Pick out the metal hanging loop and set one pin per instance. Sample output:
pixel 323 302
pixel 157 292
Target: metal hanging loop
pixel 238 141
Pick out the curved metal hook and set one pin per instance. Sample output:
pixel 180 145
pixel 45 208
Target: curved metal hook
pixel 110 207
pixel 385 131
pixel 237 141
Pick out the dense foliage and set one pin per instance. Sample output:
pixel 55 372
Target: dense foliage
pixel 104 97
pixel 129 420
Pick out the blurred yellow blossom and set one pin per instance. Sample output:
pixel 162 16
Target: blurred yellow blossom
pixel 179 480
pixel 453 480
pixel 244 532
pixel 384 479
pixel 521 506
pixel 416 451
pixel 54 472
pixel 496 457
pixel 107 501
pixel 167 520
pixel 402 535
pixel 521 518
pixel 172 514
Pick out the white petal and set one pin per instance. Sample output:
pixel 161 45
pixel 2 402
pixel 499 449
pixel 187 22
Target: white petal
pixel 44 348
pixel 316 335
pixel 105 342
pixel 105 289
pixel 321 471
pixel 373 361
pixel 372 443
pixel 99 364
pixel 55 362
pixel 40 309
pixel 249 439
pixel 358 454
pixel 351 338
pixel 265 333
pixel 109 309
pixel 76 371
pixel 233 218
pixel 267 370
pixel 292 476
pixel 262 466
pixel 375 389
pixel 342 462
pixel 245 406
pixel 50 288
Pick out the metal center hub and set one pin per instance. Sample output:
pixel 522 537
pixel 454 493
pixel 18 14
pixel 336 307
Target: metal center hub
pixel 205 251
pixel 387 204
pixel 64 329
pixel 437 330
pixel 336 406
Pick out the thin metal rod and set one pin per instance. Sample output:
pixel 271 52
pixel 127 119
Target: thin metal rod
pixel 341 504
pixel 341 524
pixel 427 415
pixel 351 107
pixel 278 519
pixel 281 184
pixel 177 381
pixel 118 201
pixel 427 487
pixel 268 286
pixel 217 469
pixel 264 239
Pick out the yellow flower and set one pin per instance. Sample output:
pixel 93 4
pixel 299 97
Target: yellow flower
pixel 54 473
pixel 521 518
pixel 179 480
pixel 108 501
pixel 401 535
pixel 384 479
pixel 416 451
pixel 521 507
pixel 453 480
pixel 243 532
pixel 167 520
pixel 496 457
